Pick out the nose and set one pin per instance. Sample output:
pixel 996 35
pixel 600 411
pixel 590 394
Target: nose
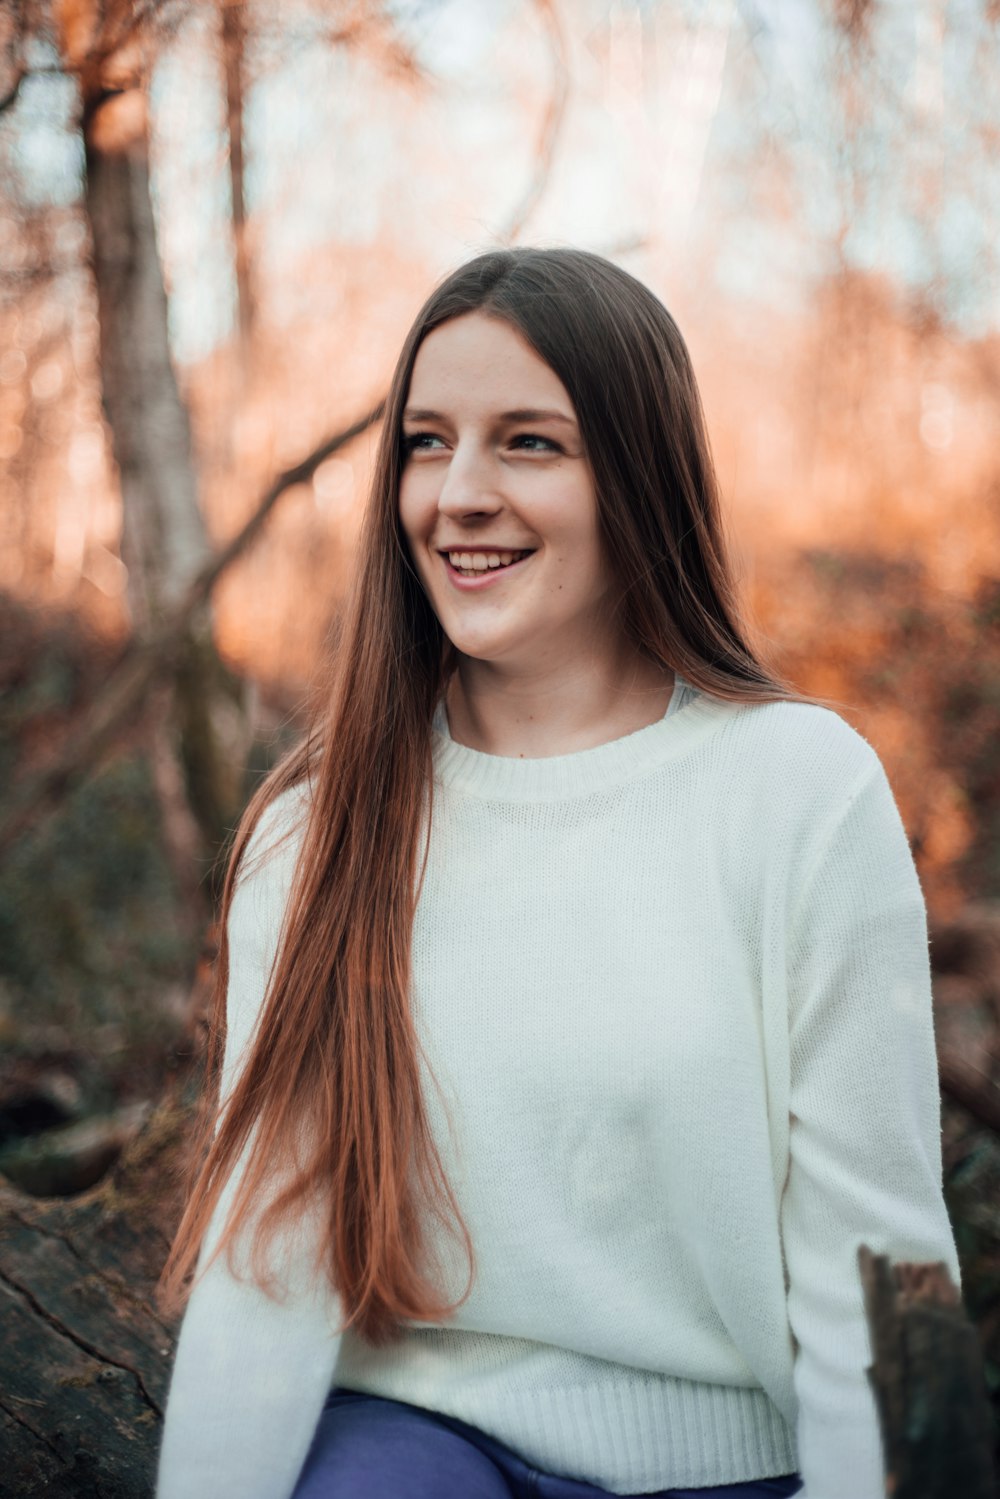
pixel 469 487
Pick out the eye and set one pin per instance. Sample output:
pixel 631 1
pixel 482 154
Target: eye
pixel 414 441
pixel 531 442
pixel 525 442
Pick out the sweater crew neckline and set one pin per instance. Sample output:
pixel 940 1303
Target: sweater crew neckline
pixel 691 715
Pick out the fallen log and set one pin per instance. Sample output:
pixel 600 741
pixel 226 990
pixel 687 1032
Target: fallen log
pixel 86 1356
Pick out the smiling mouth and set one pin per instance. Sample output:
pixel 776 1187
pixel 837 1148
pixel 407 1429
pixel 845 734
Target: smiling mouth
pixel 475 564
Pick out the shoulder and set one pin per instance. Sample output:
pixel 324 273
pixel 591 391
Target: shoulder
pixel 267 867
pixel 282 823
pixel 791 773
pixel 810 752
pixel 256 917
pixel 843 819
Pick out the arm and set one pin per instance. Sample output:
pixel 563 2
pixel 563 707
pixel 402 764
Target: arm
pixel 250 1374
pixel 865 1140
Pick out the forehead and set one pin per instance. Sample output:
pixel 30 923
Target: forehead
pixel 475 360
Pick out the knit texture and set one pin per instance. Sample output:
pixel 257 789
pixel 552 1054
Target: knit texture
pixel 673 994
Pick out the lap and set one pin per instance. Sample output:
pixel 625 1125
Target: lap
pixel 378 1449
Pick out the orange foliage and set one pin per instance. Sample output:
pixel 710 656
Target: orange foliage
pixel 855 448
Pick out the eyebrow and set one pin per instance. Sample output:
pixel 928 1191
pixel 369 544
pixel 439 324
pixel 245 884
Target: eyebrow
pixel 522 414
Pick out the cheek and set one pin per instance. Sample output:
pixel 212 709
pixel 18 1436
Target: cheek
pixel 582 540
pixel 413 509
pixel 591 570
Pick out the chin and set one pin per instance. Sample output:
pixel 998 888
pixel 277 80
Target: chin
pixel 480 650
pixel 476 652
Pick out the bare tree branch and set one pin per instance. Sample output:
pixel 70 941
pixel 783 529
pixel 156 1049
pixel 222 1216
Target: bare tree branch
pixel 13 24
pixel 37 795
pixel 968 1085
pixel 374 34
pixel 34 275
pixel 202 585
pixel 131 19
pixel 370 31
pixel 141 13
pixel 854 18
pixel 552 122
pixel 234 36
pixel 10 98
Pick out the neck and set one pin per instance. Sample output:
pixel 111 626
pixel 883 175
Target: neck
pixel 538 712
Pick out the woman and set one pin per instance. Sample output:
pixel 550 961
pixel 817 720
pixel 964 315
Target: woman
pixel 576 1005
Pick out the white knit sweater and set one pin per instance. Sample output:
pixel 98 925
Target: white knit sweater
pixel 675 993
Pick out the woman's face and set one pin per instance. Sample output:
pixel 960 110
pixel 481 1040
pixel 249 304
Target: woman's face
pixel 497 498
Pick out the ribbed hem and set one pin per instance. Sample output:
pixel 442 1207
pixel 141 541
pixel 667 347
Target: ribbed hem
pixel 638 1438
pixel 638 1434
pixel 690 718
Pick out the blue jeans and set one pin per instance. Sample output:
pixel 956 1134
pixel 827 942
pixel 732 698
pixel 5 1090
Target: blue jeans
pixel 369 1448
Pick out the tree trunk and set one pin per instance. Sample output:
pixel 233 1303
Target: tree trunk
pixel 164 539
pixel 202 726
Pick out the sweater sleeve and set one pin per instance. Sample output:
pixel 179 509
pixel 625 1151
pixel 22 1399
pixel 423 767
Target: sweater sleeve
pixel 250 1374
pixel 865 1125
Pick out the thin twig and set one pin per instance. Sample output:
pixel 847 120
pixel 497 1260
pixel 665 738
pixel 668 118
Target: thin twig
pixel 971 1087
pixel 37 795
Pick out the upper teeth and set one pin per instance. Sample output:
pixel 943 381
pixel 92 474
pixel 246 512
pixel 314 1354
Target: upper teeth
pixel 480 561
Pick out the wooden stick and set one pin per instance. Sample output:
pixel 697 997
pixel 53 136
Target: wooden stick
pixel 927 1375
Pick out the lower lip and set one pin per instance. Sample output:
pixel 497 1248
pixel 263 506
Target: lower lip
pixel 483 579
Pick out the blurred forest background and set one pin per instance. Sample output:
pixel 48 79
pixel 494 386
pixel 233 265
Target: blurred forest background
pixel 216 222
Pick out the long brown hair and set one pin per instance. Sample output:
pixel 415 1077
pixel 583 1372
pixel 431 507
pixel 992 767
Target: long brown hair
pixel 336 1049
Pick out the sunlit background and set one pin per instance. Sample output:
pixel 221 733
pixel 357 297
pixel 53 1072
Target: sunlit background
pixel 812 187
